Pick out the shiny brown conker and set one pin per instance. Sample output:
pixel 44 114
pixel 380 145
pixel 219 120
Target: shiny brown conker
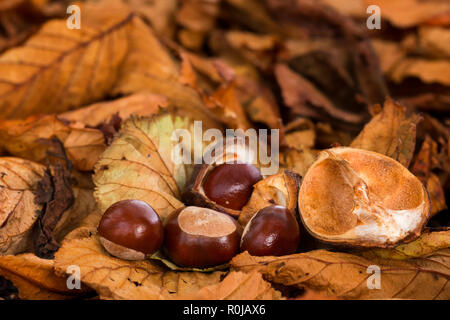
pixel 199 237
pixel 131 229
pixel 272 231
pixel 231 184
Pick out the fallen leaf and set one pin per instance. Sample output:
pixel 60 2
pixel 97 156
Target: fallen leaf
pixel 304 99
pixel 410 13
pixel 391 132
pixel 429 71
pixel 18 211
pixel 79 130
pixel 422 167
pixel 75 67
pixel 346 276
pixel 149 67
pixel 114 278
pixel 139 164
pixel 426 244
pixel 160 14
pixel 35 278
pixel 237 286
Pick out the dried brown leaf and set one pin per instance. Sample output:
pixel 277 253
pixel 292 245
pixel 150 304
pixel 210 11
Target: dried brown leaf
pixel 75 67
pixel 237 286
pixel 18 211
pixel 304 99
pixel 391 132
pixel 35 278
pixel 78 130
pixel 410 13
pixel 345 275
pixel 422 167
pixel 114 278
pixel 426 244
pixel 149 67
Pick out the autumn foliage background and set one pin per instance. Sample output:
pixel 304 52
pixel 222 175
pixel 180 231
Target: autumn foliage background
pixel 77 107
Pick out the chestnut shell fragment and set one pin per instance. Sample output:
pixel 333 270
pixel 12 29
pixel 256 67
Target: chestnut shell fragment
pixel 355 197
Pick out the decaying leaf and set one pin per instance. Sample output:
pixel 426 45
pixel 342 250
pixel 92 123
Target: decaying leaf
pixel 54 193
pixel 113 278
pixel 280 189
pixel 75 67
pixel 391 132
pixel 140 163
pixel 237 286
pixel 306 100
pixel 409 13
pixel 429 71
pixel 35 278
pixel 426 244
pixel 149 66
pixel 345 275
pixel 422 167
pixel 18 211
pixel 84 132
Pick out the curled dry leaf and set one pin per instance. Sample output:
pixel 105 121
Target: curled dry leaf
pixel 114 278
pixel 75 67
pixel 280 189
pixel 345 275
pixel 149 66
pixel 410 13
pixel 223 102
pixel 80 131
pixel 54 193
pixel 304 99
pixel 237 286
pixel 391 132
pixel 18 211
pixel 139 164
pixel 425 161
pixel 429 71
pixel 426 244
pixel 35 278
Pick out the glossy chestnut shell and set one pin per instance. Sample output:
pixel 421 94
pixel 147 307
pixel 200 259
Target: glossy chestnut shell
pixel 273 231
pixel 132 224
pixel 200 238
pixel 231 184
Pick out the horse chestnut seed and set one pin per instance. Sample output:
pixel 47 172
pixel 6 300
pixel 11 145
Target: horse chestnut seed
pixel 130 229
pixel 199 237
pixel 231 184
pixel 273 231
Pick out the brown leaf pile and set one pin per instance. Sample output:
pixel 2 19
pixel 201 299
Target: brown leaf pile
pixel 87 117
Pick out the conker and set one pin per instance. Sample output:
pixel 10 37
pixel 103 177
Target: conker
pixel 273 231
pixel 231 184
pixel 199 237
pixel 130 229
